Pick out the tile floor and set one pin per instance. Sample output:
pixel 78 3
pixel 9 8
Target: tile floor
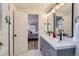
pixel 32 53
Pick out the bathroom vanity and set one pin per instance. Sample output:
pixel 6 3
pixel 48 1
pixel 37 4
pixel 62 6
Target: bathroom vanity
pixel 53 47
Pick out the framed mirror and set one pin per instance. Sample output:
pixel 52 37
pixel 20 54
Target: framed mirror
pixel 64 20
pixel 50 23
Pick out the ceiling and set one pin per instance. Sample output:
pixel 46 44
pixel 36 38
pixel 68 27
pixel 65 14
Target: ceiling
pixel 67 8
pixel 34 6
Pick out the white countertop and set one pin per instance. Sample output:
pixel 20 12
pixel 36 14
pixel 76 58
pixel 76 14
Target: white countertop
pixel 56 43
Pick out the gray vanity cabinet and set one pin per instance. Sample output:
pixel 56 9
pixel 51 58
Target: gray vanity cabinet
pixel 48 50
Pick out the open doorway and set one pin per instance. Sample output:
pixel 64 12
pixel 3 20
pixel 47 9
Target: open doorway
pixel 32 31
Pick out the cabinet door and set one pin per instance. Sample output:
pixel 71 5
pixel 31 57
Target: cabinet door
pixel 50 51
pixel 42 46
pixel 45 49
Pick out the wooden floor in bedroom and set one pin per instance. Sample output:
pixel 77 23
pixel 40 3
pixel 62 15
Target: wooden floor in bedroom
pixel 32 44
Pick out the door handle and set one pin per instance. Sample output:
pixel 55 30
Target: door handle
pixel 15 35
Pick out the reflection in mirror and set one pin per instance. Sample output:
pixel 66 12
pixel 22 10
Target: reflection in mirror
pixel 63 19
pixel 59 24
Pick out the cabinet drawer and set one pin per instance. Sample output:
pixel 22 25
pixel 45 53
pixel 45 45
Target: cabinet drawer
pixel 66 52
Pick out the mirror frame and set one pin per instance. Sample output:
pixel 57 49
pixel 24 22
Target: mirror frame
pixel 71 23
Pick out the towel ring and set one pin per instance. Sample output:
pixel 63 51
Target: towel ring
pixel 76 19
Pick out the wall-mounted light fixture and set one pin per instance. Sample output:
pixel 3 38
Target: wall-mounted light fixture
pixel 57 6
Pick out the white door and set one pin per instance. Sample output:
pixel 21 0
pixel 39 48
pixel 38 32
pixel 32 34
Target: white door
pixel 20 32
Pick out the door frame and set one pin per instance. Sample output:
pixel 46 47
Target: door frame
pixel 38 29
pixel 13 33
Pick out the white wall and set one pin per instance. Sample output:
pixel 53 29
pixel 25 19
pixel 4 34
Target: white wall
pixel 4 32
pixel 76 10
pixel 76 13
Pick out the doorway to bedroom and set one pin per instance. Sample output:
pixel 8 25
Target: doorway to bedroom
pixel 33 31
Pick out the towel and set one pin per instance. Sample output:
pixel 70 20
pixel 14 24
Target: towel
pixel 76 33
